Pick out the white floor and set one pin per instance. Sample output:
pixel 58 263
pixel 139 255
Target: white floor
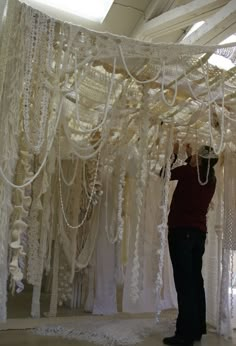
pixel 18 329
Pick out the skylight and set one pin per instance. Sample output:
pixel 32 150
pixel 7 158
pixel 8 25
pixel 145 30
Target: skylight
pixel 216 60
pixel 94 10
pixel 194 28
pixel 220 61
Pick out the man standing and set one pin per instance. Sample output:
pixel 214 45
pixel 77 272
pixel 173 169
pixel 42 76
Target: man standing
pixel 186 238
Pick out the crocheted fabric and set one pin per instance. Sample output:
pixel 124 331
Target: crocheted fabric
pixel 108 331
pixel 76 104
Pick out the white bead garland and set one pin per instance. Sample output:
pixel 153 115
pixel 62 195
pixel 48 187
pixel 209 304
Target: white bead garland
pixel 67 183
pixel 90 197
pixel 170 104
pixel 198 172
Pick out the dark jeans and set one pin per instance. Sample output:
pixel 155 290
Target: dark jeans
pixel 187 246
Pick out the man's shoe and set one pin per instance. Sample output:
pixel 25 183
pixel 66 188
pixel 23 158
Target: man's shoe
pixel 177 341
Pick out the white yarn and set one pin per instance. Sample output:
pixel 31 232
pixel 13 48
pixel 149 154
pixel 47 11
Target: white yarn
pixel 90 197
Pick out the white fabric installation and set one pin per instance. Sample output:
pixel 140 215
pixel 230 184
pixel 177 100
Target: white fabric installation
pixel 87 120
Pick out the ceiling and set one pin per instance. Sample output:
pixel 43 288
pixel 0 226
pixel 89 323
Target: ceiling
pixel 161 21
pixel 154 21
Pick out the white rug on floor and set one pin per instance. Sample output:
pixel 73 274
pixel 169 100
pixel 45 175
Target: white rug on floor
pixel 107 332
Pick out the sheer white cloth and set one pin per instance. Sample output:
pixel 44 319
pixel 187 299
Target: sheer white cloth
pixel 102 270
pixel 147 300
pixel 105 264
pixel 88 306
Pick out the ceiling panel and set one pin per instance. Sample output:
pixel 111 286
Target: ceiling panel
pixel 151 20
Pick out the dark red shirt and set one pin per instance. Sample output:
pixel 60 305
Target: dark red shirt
pixel 190 200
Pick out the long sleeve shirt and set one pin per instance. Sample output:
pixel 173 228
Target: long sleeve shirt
pixel 190 200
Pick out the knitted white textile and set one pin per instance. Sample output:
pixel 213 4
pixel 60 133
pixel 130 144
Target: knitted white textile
pixel 109 331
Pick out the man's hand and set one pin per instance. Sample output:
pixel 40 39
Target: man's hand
pixel 188 149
